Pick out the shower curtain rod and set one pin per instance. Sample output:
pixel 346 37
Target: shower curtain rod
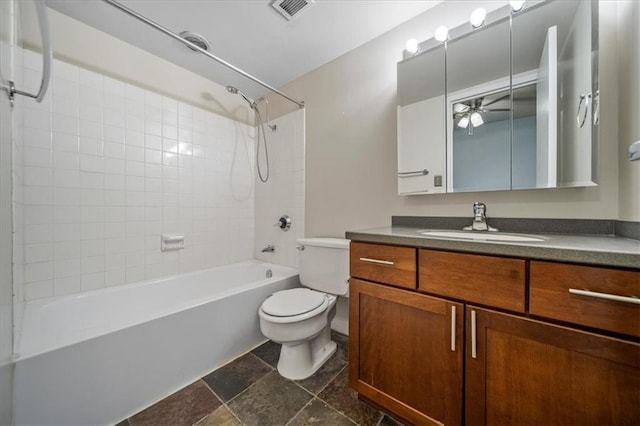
pixel 193 46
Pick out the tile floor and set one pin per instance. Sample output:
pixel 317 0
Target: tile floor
pixel 249 391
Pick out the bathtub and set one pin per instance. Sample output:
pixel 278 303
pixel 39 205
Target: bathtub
pixel 101 356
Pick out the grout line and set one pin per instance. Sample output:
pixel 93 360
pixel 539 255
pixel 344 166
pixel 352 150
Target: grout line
pixel 248 387
pixel 263 361
pixel 300 410
pixel 332 378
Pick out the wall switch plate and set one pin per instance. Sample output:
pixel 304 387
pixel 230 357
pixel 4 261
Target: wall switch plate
pixel 437 180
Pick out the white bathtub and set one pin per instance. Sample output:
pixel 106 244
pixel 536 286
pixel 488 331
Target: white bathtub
pixel 101 356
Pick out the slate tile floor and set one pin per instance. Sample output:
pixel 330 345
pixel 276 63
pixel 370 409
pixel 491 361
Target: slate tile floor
pixel 249 391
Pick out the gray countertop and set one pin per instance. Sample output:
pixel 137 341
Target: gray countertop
pixel 606 250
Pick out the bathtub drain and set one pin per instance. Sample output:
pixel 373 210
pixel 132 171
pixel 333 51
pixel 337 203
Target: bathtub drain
pixel 269 274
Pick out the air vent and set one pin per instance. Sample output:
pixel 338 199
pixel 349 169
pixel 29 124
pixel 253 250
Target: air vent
pixel 291 8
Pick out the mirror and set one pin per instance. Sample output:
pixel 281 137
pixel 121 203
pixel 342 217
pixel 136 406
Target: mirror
pixel 421 123
pixel 520 104
pixel 478 119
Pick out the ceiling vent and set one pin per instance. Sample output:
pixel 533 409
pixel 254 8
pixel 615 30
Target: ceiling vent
pixel 291 8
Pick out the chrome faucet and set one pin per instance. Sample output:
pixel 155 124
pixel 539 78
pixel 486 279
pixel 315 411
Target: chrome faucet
pixel 269 249
pixel 479 219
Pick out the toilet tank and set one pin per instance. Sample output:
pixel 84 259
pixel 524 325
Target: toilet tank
pixel 324 264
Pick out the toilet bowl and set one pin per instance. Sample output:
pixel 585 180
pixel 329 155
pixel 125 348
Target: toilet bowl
pixel 300 318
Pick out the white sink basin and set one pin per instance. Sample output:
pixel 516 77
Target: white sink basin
pixel 482 236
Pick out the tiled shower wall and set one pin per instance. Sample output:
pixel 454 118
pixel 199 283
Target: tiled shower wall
pixel 284 191
pixel 102 168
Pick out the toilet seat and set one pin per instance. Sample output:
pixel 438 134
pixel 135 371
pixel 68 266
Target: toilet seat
pixel 293 302
pixel 326 300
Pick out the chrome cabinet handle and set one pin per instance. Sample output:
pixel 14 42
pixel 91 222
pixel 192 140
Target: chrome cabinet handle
pixel 422 172
pixel 377 261
pixel 607 296
pixel 453 328
pixel 474 339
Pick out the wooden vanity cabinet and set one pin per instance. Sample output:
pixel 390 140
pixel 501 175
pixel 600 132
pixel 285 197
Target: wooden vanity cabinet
pixel 405 352
pixel 520 371
pixel 405 344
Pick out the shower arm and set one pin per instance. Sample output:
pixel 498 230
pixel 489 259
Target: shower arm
pixel 197 48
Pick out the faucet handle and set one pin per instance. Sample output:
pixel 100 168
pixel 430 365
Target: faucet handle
pixel 479 205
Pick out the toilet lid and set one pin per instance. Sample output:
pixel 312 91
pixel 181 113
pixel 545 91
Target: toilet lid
pixel 292 302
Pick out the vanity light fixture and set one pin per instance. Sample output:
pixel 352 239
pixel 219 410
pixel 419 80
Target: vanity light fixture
pixel 517 5
pixel 477 17
pixel 442 33
pixel 412 46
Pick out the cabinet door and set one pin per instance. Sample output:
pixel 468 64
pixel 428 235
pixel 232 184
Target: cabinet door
pixel 526 372
pixel 405 352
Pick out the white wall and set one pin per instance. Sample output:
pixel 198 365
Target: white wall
pixel 629 93
pixel 6 258
pixel 125 62
pixel 351 139
pixel 283 193
pixel 106 167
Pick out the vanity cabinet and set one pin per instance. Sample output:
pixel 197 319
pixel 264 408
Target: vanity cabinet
pixel 409 353
pixel 533 352
pixel 520 371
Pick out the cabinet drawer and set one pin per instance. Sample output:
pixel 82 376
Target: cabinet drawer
pixel 384 264
pixel 550 296
pixel 491 281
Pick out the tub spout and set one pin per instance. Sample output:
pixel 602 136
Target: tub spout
pixel 269 249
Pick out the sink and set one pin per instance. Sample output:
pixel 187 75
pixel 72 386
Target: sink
pixel 482 236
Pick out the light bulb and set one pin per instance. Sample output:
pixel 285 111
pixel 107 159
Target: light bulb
pixel 477 17
pixel 458 108
pixel 476 119
pixel 517 5
pixel 442 33
pixel 412 46
pixel 464 122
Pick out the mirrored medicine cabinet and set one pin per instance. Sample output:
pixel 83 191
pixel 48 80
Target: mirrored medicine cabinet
pixel 510 105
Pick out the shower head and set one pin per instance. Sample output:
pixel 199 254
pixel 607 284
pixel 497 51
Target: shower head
pixel 235 91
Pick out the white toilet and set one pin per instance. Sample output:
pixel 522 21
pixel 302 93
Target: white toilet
pixel 300 318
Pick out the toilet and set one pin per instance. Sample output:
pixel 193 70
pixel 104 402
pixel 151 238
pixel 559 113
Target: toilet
pixel 300 318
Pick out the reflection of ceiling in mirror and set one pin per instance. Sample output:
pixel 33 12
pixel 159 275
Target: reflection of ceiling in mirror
pixel 529 36
pixel 495 106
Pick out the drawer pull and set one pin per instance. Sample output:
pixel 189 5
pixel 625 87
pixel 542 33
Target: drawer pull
pixel 376 261
pixel 474 339
pixel 607 296
pixel 453 328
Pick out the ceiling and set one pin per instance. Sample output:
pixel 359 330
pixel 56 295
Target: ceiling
pixel 249 34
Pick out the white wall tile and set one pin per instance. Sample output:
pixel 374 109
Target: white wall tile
pixel 66 268
pixel 38 253
pixel 67 285
pixel 92 281
pixel 104 167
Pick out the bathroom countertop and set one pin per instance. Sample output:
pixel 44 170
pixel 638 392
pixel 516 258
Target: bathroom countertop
pixel 606 250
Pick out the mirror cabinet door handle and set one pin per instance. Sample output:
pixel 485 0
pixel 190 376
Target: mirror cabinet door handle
pixel 595 105
pixel 474 339
pixel 626 299
pixel 453 328
pixel 377 261
pixel 585 100
pixel 422 172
